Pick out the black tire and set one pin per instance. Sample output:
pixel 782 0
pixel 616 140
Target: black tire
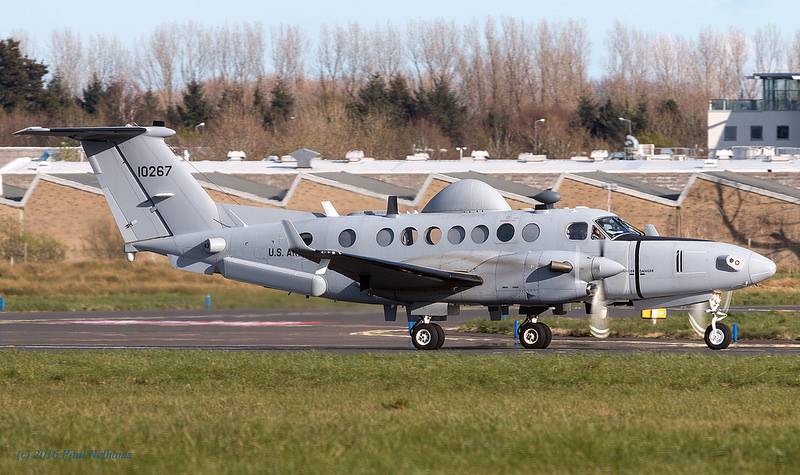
pixel 440 332
pixel 725 336
pixel 548 333
pixel 424 336
pixel 533 336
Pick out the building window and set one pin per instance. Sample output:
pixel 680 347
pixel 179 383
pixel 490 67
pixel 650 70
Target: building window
pixel 756 132
pixel 783 132
pixel 729 135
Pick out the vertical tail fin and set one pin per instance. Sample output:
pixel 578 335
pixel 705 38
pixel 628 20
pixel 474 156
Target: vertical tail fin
pixel 150 192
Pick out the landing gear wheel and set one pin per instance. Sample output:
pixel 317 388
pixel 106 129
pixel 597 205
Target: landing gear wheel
pixel 424 336
pixel 440 332
pixel 718 339
pixel 535 336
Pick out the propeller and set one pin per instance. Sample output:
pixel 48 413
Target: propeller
pixel 598 313
pixel 598 308
pixel 699 312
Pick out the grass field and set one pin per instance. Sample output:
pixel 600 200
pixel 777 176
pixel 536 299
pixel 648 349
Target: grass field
pixel 218 412
pixel 118 285
pixel 753 326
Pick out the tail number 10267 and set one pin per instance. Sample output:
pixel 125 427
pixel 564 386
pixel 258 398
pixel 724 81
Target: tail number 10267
pixel 153 170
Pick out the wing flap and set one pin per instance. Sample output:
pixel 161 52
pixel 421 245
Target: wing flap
pixel 380 274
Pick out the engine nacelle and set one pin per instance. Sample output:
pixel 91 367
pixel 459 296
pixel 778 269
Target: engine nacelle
pixel 214 245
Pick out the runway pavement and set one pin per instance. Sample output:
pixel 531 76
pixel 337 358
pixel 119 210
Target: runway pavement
pixel 329 330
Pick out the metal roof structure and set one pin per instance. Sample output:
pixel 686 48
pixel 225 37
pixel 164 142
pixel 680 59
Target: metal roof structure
pixel 631 184
pixel 370 184
pixel 225 182
pixel 85 179
pixel 497 183
pixel 758 183
pixel 11 192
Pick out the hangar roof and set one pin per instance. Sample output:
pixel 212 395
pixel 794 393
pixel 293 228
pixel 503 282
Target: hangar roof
pixel 497 183
pixel 237 183
pixel 768 185
pixel 632 184
pixel 370 184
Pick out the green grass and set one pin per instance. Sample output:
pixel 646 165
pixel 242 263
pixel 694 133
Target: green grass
pixel 755 326
pixel 218 412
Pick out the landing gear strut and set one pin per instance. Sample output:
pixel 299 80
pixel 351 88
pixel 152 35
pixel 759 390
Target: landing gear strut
pixel 534 335
pixel 426 335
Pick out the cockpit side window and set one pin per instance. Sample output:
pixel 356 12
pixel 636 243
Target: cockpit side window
pixel 577 231
pixel 597 235
pixel 614 226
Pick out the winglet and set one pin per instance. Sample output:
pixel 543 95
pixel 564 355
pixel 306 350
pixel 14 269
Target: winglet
pixel 296 243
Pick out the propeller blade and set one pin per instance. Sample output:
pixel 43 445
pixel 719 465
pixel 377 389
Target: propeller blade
pixel 698 318
pixel 598 318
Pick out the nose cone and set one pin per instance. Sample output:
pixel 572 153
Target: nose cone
pixel 603 267
pixel 760 268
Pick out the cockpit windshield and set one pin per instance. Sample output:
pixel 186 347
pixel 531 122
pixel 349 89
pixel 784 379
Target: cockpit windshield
pixel 615 226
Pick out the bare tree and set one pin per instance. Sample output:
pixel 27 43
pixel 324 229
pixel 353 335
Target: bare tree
pixel 768 45
pixel 288 48
pixel 66 58
pixel 794 53
pixel 431 47
pixel 199 54
pixel 107 58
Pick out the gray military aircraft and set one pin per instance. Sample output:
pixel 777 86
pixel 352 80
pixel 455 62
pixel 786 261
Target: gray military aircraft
pixel 466 247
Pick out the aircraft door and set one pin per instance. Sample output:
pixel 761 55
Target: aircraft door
pixel 531 284
pixel 509 285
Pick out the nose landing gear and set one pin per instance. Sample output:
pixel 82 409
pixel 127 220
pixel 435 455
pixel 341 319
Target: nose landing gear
pixel 718 335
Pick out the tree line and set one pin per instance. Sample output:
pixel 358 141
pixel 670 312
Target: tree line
pixel 389 90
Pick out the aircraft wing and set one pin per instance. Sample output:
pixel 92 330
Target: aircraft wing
pixel 374 273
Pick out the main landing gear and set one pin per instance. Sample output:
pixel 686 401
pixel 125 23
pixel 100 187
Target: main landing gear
pixel 426 335
pixel 534 335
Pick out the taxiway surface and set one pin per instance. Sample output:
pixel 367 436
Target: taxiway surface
pixel 325 330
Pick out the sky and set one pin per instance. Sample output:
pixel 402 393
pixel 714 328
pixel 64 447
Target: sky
pixel 133 19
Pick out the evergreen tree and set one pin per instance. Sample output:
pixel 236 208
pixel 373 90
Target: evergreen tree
pixel 371 99
pixel 195 109
pixel 586 115
pixel 92 95
pixel 232 97
pixel 21 83
pixel 441 106
pixel 282 103
pixel 149 108
pixel 403 105
pixel 641 117
pixel 609 127
pixel 58 97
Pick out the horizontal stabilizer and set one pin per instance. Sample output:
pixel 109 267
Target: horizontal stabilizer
pixel 86 133
pixel 381 274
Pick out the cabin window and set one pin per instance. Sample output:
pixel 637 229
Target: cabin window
pixel 577 231
pixel 456 235
pixel 480 234
pixel 530 232
pixel 385 237
pixel 409 236
pixel 505 232
pixel 347 238
pixel 433 235
pixel 307 238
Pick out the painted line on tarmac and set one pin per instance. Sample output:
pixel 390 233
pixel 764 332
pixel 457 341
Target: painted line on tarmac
pixel 179 323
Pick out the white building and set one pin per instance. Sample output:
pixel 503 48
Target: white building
pixel 772 121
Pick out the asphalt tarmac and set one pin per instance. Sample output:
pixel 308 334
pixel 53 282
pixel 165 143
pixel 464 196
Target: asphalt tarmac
pixel 324 330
